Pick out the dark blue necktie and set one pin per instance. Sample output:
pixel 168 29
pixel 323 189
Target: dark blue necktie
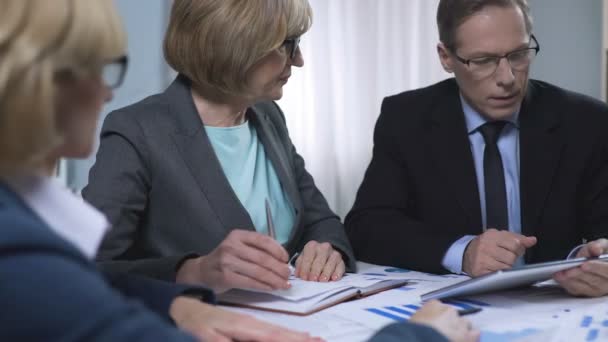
pixel 494 177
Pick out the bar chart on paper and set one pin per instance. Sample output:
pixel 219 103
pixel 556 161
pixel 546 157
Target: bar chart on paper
pixel 594 328
pixel 591 326
pixel 403 312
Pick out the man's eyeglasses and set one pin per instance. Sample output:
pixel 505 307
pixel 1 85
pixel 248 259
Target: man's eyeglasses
pixel 113 72
pixel 290 46
pixel 519 60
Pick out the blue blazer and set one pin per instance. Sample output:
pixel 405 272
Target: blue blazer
pixel 51 292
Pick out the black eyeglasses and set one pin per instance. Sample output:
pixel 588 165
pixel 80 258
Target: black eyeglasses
pixel 113 72
pixel 519 60
pixel 291 46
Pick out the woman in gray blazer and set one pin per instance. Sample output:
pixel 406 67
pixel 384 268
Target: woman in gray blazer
pixel 184 175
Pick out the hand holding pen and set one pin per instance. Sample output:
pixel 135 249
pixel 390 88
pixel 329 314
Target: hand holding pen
pixel 244 259
pixel 269 223
pixel 317 262
pixel 272 233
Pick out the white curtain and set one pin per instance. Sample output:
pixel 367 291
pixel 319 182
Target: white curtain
pixel 356 53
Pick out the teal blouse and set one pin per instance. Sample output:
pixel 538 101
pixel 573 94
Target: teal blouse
pixel 252 177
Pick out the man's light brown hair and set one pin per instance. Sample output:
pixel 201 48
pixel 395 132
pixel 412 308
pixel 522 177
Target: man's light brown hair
pixel 452 13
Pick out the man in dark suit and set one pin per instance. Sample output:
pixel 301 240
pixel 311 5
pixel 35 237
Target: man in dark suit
pixel 488 170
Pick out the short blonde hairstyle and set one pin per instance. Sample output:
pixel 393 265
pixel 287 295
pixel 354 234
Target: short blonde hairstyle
pixel 215 43
pixel 38 38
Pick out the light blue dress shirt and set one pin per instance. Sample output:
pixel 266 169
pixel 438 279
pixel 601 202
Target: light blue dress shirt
pixel 252 177
pixel 508 145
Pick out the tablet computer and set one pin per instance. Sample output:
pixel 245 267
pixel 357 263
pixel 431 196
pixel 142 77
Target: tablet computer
pixel 501 280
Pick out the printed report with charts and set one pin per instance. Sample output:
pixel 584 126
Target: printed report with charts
pixel 306 297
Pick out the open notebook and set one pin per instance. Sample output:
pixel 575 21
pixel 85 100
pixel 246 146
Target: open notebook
pixel 306 297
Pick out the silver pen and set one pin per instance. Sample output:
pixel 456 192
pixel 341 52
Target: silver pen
pixel 269 222
pixel 272 234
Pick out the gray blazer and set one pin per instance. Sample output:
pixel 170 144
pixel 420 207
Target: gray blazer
pixel 158 180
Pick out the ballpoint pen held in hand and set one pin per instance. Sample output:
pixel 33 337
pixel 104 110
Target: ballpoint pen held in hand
pixel 269 222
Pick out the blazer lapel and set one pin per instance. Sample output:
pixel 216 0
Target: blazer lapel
pixel 269 138
pixel 541 144
pixel 452 155
pixel 193 144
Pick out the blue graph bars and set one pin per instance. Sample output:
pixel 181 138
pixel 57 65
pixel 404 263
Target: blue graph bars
pixel 401 313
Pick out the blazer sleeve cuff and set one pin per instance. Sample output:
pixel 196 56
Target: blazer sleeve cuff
pixel 349 259
pixel 180 261
pixel 162 268
pixel 452 260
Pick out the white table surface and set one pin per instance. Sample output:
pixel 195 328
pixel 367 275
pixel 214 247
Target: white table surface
pixel 542 313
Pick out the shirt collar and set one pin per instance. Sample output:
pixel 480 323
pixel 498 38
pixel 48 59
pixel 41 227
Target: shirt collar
pixel 474 120
pixel 66 214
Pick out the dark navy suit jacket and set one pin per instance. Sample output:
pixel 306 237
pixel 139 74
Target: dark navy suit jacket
pixel 51 292
pixel 420 195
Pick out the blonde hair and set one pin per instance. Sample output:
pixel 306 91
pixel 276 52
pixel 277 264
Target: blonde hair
pixel 38 38
pixel 215 43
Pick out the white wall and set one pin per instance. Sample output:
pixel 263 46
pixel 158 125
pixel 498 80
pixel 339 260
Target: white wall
pixel 147 74
pixel 570 37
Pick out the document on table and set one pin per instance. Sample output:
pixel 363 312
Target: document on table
pixel 589 324
pixel 306 297
pixel 535 314
pixel 329 326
